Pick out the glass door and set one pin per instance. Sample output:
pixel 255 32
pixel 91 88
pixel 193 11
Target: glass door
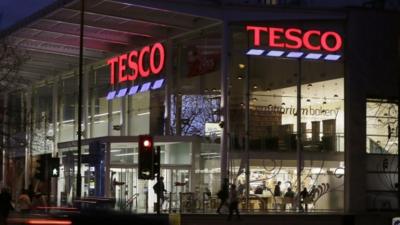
pixel 124 188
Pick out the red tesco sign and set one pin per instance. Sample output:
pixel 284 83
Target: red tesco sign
pixel 134 61
pixel 294 38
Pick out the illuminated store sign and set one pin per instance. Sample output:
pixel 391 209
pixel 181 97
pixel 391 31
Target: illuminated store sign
pixel 289 42
pixel 137 63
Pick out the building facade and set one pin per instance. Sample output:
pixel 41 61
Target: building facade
pixel 256 94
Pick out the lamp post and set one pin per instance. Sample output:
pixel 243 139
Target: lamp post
pixel 80 98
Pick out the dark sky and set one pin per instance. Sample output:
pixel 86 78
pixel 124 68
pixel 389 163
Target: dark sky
pixel 11 11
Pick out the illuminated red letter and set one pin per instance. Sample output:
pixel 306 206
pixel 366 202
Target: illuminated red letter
pixel 142 71
pixel 112 62
pixel 294 35
pixel 257 33
pixel 273 36
pixel 160 48
pixel 338 41
pixel 306 40
pixel 121 68
pixel 133 65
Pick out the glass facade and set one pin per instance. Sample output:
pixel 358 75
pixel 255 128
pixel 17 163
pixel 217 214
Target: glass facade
pixel 272 87
pixel 184 116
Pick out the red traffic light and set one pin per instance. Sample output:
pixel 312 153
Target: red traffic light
pixel 147 143
pixel 146 157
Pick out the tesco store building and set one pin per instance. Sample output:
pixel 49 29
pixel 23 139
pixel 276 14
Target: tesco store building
pixel 259 95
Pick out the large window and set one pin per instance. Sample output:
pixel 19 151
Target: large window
pixel 382 127
pixel 272 112
pixel 382 152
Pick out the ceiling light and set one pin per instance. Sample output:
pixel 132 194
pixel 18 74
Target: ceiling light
pixel 241 66
pixel 255 86
pixel 239 77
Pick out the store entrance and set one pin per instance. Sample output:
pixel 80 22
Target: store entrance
pixel 136 195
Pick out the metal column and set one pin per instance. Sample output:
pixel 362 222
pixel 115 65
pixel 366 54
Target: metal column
pixel 224 100
pixel 80 98
pixel 298 142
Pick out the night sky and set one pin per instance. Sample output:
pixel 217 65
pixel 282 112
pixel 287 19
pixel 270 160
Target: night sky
pixel 11 11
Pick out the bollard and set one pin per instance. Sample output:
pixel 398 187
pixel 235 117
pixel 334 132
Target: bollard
pixel 175 218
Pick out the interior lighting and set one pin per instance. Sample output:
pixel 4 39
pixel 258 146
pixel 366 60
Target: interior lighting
pixel 157 84
pixel 111 95
pixel 239 77
pixel 133 90
pixel 241 66
pixel 294 54
pixel 332 57
pixel 122 92
pixel 313 56
pixel 144 113
pixel 255 52
pixel 255 86
pixel 275 53
pixel 145 87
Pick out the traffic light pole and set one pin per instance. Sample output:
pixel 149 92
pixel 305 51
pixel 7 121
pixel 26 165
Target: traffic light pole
pixel 158 179
pixel 80 98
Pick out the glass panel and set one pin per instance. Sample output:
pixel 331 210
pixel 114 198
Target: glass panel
pixel 68 101
pixel 43 120
pixel 99 104
pixel 195 86
pixel 382 127
pixel 272 86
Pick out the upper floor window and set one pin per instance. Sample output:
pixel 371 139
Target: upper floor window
pixel 382 126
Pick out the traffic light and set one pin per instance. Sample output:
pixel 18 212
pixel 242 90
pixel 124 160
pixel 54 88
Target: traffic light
pixel 41 165
pixel 54 167
pixel 157 162
pixel 146 157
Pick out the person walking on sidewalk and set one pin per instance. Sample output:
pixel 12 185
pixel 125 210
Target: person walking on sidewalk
pixel 223 195
pixel 233 202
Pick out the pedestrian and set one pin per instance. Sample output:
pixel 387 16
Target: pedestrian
pixel 277 196
pixel 289 198
pixel 24 202
pixel 5 205
pixel 223 194
pixel 233 202
pixel 159 190
pixel 277 190
pixel 241 188
pixel 304 199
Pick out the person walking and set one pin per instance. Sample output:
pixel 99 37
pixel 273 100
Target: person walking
pixel 277 190
pixel 159 190
pixel 304 199
pixel 233 202
pixel 223 195
pixel 277 196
